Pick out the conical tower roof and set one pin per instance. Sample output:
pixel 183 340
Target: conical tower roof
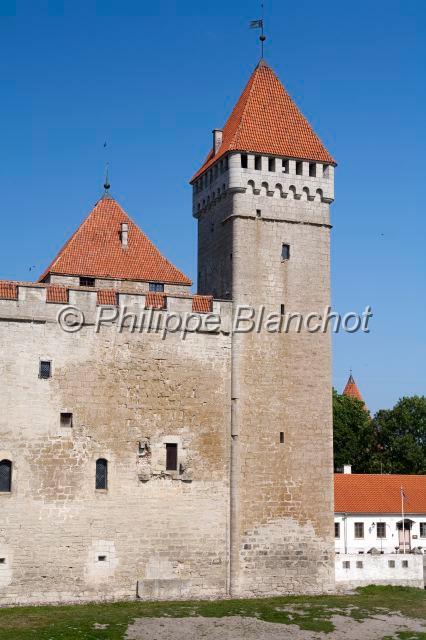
pixel 351 390
pixel 265 120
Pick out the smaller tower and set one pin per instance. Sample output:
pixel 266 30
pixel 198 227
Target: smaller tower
pixel 351 389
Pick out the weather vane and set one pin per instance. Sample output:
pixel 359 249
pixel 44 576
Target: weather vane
pixel 258 24
pixel 106 183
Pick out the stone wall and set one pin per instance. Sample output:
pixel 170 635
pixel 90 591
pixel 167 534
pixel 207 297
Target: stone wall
pixel 153 532
pixel 357 570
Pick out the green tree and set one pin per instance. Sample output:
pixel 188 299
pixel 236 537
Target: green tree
pixel 401 437
pixel 353 434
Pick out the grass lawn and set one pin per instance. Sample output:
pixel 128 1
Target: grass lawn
pixel 312 613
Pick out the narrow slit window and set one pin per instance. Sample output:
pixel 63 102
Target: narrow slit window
pixel 281 437
pixel 258 162
pixel 171 456
pixel 259 212
pixel 286 166
pixel 5 476
pixel 87 282
pixel 312 169
pixel 45 369
pixel 244 161
pixel 282 309
pixel 337 529
pixel 285 252
pixel 101 473
pixel 299 168
pixel 271 164
pixel 66 420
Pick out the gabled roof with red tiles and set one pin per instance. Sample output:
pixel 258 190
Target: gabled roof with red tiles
pixel 266 120
pixel 95 250
pixel 351 390
pixel 371 493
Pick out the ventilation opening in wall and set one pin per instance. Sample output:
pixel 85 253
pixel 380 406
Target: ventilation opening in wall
pixel 281 437
pixel 312 169
pixel 258 162
pixel 66 420
pixel 271 164
pixel 286 166
pixel 299 168
pixel 44 371
pixel 244 161
pixel 102 558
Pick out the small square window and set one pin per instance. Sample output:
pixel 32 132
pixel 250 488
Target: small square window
pixel 359 529
pixel 381 530
pixel 66 420
pixel 391 564
pixel 405 564
pixel 285 252
pixel 337 529
pixel 45 369
pixel 102 558
pixel 359 564
pixel 156 286
pixel 87 282
pixel 346 564
pixel 2 560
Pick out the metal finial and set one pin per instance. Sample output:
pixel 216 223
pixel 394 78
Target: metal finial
pixel 107 184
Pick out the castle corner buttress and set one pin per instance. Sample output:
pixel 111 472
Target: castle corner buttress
pixel 195 465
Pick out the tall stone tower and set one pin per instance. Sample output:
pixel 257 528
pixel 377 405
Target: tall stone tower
pixel 262 199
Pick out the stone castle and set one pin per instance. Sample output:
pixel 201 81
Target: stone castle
pixel 137 466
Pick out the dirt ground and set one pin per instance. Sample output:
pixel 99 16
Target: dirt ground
pixel 376 627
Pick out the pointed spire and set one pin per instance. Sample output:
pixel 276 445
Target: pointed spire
pixel 351 389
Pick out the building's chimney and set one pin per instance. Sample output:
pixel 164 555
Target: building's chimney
pixel 347 468
pixel 217 139
pixel 124 234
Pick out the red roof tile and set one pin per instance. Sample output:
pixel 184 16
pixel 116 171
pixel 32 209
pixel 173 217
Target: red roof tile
pixel 107 297
pixel 8 291
pixel 266 120
pixel 57 293
pixel 95 250
pixel 351 390
pixel 202 304
pixel 370 493
pixel 154 300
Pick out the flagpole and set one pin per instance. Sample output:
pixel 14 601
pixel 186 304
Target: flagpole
pixel 402 513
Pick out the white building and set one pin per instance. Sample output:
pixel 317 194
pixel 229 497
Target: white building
pixel 385 512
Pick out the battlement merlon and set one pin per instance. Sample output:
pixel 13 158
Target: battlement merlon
pixel 41 303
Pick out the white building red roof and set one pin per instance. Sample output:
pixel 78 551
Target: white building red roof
pixel 374 493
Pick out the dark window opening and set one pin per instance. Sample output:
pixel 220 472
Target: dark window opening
pixel 244 161
pixel 230 256
pixel 5 476
pixel 299 168
pixel 285 252
pixel 87 282
pixel 101 473
pixel 102 558
pixel 381 529
pixel 282 309
pixel 326 171
pixel 359 529
pixel 45 369
pixel 346 564
pixel 405 564
pixel 258 212
pixel 337 529
pixel 2 560
pixel 312 169
pixel 156 286
pixel 359 564
pixel 281 437
pixel 391 564
pixel 66 420
pixel 286 166
pixel 171 456
pixel 423 529
pixel 258 162
pixel 271 164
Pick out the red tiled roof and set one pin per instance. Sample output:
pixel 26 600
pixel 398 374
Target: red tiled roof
pixel 370 493
pixel 95 250
pixel 107 297
pixel 351 390
pixel 57 293
pixel 8 291
pixel 154 300
pixel 266 120
pixel 202 304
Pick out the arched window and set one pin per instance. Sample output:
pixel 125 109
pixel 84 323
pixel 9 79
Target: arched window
pixel 5 476
pixel 101 473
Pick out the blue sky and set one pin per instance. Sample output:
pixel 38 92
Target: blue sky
pixel 153 79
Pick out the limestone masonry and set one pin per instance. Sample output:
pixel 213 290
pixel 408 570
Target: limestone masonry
pixel 132 465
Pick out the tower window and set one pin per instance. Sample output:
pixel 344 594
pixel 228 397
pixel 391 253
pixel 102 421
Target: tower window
pixel 285 252
pixel 286 166
pixel 281 437
pixel 312 169
pixel 244 160
pixel 45 369
pixel 271 164
pixel 326 171
pixel 66 420
pixel 171 456
pixel 156 286
pixel 101 473
pixel 282 309
pixel 258 162
pixel 87 282
pixel 299 168
pixel 258 212
pixel 5 476
pixel 337 529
